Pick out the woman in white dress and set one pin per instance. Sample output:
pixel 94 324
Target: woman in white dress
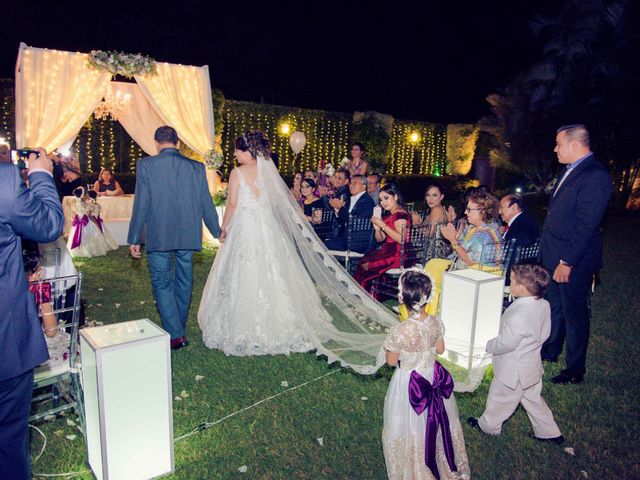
pixel 273 288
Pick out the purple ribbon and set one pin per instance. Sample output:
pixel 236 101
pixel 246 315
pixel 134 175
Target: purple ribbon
pixel 79 224
pixel 422 396
pixel 99 222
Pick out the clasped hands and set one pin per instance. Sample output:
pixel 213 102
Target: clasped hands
pixel 378 223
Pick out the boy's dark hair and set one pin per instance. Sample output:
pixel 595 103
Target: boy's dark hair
pixel 533 276
pixel 166 134
pixel 30 256
pixel 92 194
pixel 415 286
pixel 78 192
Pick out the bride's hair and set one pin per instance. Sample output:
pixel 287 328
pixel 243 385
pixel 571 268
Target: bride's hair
pixel 255 142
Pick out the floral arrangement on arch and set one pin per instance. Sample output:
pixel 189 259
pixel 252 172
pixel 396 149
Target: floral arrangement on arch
pixel 120 63
pixel 213 159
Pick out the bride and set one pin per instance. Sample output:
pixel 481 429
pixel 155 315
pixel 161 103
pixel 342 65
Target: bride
pixel 273 288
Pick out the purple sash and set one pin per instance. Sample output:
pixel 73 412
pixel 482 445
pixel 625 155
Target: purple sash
pixel 79 224
pixel 99 222
pixel 423 396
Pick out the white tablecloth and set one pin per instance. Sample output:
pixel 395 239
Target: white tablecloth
pixel 111 207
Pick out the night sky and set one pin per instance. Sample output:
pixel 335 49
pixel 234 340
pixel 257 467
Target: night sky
pixel 433 62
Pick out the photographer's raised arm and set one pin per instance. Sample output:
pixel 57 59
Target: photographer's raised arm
pixel 37 212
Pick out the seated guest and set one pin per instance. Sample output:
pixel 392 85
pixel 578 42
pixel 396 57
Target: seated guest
pixel 373 187
pixel 437 216
pixel 107 185
pixel 481 236
pixel 310 200
pixel 341 192
pixel 66 172
pixel 295 188
pixel 520 225
pixel 41 291
pixel 388 232
pixel 357 203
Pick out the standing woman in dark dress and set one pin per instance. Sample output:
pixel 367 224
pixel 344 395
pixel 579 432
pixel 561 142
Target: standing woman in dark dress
pixel 310 199
pixel 106 185
pixel 388 231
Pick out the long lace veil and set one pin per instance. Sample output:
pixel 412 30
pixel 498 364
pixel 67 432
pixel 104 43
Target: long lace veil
pixel 345 323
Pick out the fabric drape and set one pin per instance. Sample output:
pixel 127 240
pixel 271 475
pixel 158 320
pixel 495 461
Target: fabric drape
pixel 140 120
pixel 56 92
pixel 182 97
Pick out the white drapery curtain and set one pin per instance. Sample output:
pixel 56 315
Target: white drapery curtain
pixel 182 97
pixel 140 120
pixel 56 92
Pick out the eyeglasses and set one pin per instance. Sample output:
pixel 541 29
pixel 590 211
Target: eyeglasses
pixel 473 209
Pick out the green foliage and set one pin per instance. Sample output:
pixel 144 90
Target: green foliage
pixel 461 146
pixel 373 130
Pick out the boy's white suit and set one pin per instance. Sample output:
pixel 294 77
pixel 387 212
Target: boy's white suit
pixel 517 368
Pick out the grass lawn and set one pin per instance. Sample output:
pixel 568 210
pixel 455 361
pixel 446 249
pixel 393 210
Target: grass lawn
pixel 279 438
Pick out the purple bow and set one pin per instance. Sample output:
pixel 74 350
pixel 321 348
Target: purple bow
pixel 99 221
pixel 422 396
pixel 79 224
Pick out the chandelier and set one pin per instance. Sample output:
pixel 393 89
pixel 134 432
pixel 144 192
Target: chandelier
pixel 113 105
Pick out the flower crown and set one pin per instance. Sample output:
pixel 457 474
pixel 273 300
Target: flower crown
pixel 423 299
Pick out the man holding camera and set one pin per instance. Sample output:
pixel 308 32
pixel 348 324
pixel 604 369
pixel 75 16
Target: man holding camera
pixel 34 213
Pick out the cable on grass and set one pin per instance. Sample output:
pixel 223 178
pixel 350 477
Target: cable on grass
pixel 205 425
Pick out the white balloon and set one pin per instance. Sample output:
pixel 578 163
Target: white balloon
pixel 297 140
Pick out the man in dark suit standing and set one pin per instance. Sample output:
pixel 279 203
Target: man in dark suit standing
pixel 358 203
pixel 172 198
pixel 34 213
pixel 572 248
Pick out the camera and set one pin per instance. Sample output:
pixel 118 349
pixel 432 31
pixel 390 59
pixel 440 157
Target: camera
pixel 20 156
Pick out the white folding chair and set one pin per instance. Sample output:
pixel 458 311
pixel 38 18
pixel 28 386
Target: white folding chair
pixel 57 381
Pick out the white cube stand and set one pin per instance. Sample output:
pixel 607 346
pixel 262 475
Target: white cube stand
pixel 126 377
pixel 470 310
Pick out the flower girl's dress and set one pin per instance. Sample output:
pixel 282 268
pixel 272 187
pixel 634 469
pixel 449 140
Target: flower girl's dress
pixel 411 390
pixel 85 238
pixel 95 218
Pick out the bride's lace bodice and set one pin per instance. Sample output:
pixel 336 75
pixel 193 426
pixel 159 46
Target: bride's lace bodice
pixel 248 198
pixel 415 340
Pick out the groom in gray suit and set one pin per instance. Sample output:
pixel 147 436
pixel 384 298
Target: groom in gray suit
pixel 172 199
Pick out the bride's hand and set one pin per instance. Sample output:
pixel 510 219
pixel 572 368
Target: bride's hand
pixel 222 236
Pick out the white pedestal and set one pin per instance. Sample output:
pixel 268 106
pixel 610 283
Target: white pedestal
pixel 470 310
pixel 126 375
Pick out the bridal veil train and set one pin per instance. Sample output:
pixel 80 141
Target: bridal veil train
pixel 274 288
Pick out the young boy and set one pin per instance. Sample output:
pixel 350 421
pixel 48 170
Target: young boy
pixel 517 367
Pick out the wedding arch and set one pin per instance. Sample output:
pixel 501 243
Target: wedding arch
pixel 57 91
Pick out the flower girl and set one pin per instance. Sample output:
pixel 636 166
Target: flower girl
pixel 85 238
pixel 94 216
pixel 422 437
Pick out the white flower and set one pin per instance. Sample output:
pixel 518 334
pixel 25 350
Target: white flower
pixel 243 469
pixel 570 451
pixel 199 377
pixel 320 441
pixel 284 384
pixel 364 398
pixel 71 437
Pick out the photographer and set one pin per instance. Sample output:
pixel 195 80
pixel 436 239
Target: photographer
pixel 66 172
pixel 34 213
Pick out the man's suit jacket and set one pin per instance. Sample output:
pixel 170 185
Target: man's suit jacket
pixel 524 327
pixel 362 208
pixel 34 213
pixel 172 199
pixel 571 230
pixel 524 229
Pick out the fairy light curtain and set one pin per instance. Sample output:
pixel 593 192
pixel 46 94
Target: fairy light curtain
pixel 140 120
pixel 56 92
pixel 182 97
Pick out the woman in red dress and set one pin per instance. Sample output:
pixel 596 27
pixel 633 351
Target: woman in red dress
pixel 388 232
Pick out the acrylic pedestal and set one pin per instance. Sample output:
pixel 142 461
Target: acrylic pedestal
pixel 126 377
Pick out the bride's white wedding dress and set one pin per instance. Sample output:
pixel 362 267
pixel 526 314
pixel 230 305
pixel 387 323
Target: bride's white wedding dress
pixel 273 289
